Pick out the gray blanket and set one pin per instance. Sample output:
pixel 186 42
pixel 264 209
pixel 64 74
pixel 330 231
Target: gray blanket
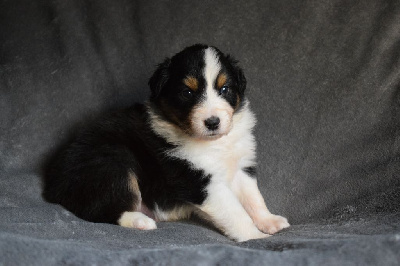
pixel 323 80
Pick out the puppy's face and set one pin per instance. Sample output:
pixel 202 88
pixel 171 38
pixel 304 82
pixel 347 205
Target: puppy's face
pixel 198 90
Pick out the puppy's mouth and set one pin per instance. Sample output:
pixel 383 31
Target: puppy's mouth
pixel 213 136
pixel 210 135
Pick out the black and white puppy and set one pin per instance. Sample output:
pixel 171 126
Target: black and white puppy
pixel 189 149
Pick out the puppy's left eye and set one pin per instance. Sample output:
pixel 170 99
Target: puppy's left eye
pixel 187 94
pixel 224 90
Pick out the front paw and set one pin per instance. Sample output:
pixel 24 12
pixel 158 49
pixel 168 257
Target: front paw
pixel 271 223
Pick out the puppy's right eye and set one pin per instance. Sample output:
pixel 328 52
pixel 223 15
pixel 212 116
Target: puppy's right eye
pixel 187 94
pixel 224 90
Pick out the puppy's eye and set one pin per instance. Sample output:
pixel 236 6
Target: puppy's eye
pixel 187 94
pixel 224 90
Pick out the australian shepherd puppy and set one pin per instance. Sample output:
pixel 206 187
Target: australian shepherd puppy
pixel 189 149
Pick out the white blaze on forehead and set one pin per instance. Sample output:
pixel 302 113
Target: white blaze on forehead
pixel 211 71
pixel 212 67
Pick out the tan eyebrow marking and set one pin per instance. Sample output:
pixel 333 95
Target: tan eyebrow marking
pixel 221 80
pixel 191 82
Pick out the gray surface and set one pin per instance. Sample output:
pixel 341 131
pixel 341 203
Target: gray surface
pixel 34 232
pixel 323 80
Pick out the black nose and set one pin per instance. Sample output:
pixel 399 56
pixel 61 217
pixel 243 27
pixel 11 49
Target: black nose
pixel 212 123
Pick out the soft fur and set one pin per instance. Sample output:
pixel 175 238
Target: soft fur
pixel 189 149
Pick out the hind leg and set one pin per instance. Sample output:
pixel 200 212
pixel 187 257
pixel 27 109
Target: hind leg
pixel 135 218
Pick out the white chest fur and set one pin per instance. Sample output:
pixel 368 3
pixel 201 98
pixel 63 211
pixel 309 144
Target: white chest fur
pixel 223 157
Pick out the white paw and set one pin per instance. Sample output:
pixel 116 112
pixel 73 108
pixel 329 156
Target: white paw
pixel 271 223
pixel 137 220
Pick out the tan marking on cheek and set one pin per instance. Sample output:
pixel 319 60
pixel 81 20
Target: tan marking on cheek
pixel 192 83
pixel 193 119
pixel 221 80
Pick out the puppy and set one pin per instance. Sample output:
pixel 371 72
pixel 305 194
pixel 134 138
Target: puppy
pixel 189 149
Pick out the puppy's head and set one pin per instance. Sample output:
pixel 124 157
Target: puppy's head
pixel 198 90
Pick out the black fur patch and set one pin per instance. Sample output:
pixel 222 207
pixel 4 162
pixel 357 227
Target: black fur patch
pixel 90 177
pixel 251 171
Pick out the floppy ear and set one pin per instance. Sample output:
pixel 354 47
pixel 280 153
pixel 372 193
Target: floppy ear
pixel 159 78
pixel 240 78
